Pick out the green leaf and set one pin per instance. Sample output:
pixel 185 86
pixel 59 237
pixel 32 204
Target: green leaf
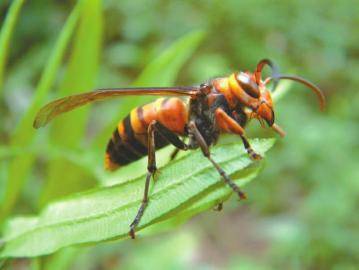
pixel 210 198
pixel 6 33
pixel 68 131
pixel 182 188
pixel 24 134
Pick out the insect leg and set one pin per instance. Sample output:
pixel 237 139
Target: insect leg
pixel 170 136
pixel 249 149
pixel 205 150
pixel 151 168
pixel 230 125
pixel 174 153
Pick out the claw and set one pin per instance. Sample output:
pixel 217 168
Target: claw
pixel 255 156
pixel 132 233
pixel 156 173
pixel 242 195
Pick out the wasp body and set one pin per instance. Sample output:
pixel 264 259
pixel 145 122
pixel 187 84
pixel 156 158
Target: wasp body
pixel 223 105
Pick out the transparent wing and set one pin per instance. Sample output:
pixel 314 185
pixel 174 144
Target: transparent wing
pixel 62 105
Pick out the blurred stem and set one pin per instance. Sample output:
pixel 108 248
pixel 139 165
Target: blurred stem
pixel 6 33
pixel 281 90
pixel 35 264
pixel 80 75
pixel 24 133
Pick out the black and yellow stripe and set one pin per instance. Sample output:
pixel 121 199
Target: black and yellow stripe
pixel 124 147
pixel 129 140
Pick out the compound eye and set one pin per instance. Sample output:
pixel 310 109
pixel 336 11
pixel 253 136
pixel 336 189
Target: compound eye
pixel 250 90
pixel 248 85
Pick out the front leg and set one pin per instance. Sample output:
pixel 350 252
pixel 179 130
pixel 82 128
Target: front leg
pixel 228 124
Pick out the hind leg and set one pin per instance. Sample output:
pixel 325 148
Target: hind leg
pixel 151 167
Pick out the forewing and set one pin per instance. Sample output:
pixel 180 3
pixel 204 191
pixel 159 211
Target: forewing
pixel 62 105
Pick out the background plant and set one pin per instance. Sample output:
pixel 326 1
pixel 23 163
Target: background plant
pixel 300 212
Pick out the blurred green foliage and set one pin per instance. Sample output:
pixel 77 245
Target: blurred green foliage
pixel 301 213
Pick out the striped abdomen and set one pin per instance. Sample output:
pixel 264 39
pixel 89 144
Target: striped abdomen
pixel 129 140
